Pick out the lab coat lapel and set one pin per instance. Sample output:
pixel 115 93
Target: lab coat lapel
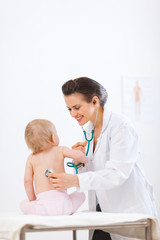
pixel 106 120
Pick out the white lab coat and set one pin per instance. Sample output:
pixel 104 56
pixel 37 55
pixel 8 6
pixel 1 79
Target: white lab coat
pixel 114 173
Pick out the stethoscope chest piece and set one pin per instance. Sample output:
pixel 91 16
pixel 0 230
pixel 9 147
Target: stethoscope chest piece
pixel 49 170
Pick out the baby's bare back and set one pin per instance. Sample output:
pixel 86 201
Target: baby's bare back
pixel 52 158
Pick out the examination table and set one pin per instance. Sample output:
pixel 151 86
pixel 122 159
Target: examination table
pixel 130 225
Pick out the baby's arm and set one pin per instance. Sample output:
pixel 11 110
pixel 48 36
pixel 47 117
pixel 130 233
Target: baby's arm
pixel 77 155
pixel 28 181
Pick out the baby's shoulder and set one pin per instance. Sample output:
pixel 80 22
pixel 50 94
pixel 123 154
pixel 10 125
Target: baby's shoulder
pixel 33 157
pixel 58 150
pixel 30 158
pixel 62 148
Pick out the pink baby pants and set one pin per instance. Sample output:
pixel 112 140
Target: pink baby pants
pixel 53 203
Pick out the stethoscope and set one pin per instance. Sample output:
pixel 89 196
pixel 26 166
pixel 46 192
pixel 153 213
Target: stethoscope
pixel 71 164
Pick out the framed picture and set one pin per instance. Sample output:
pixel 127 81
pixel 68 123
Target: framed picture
pixel 137 99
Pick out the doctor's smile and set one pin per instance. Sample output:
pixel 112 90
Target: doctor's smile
pixel 74 112
pixel 79 118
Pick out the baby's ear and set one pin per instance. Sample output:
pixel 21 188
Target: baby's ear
pixel 52 138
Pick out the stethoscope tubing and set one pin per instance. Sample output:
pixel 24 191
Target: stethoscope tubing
pixel 71 164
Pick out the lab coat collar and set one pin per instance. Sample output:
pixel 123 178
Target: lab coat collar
pixel 106 118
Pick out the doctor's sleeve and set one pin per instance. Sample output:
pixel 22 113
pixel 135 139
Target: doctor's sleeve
pixel 123 155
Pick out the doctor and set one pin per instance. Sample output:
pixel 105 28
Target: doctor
pixel 113 175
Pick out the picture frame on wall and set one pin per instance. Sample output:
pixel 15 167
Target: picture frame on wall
pixel 137 99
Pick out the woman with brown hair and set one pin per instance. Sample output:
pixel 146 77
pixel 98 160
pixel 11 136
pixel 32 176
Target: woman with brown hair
pixel 113 175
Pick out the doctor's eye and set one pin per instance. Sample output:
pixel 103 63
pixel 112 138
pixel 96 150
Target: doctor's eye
pixel 74 108
pixel 77 108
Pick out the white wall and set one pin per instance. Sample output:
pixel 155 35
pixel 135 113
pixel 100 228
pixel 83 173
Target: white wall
pixel 45 43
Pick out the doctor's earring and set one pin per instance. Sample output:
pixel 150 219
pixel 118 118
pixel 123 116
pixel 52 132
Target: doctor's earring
pixel 95 103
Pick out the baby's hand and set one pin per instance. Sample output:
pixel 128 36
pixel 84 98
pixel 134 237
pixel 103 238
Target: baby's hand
pixel 80 146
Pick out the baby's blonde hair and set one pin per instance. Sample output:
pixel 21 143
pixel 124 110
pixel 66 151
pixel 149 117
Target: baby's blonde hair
pixel 38 135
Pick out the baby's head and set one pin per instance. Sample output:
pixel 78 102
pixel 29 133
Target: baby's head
pixel 40 135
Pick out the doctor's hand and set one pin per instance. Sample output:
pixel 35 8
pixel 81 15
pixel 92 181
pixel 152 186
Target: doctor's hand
pixel 63 181
pixel 80 146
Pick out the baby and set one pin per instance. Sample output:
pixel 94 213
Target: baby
pixel 41 137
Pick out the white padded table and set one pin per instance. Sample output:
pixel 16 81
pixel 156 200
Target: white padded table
pixel 129 225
